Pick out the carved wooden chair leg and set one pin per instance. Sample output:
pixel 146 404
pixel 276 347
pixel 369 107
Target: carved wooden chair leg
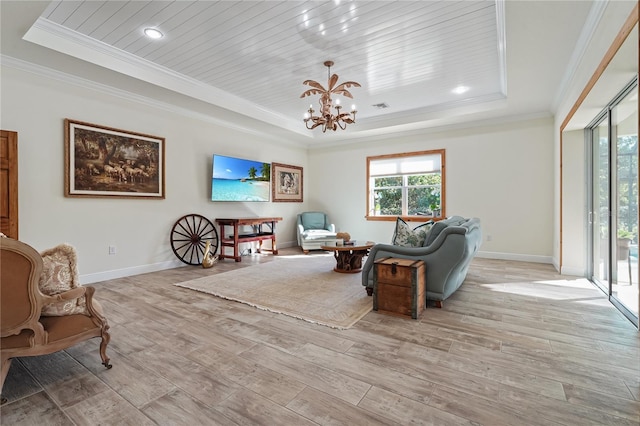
pixel 106 337
pixel 6 364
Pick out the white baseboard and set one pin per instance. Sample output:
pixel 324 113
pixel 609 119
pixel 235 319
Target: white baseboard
pixel 288 244
pixel 127 272
pixel 144 269
pixel 514 256
pixel 572 270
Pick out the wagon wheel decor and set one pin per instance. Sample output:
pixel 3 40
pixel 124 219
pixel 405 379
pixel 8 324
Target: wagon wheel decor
pixel 189 237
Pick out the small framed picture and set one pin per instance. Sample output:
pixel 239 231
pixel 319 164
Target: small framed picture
pixel 286 183
pixel 106 162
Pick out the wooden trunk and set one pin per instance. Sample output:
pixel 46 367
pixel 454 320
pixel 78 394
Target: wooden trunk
pixel 399 286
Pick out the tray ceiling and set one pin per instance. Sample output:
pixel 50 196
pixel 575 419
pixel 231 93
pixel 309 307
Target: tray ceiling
pixel 251 57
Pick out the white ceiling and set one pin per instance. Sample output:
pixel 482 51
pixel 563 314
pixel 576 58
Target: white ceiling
pixel 239 59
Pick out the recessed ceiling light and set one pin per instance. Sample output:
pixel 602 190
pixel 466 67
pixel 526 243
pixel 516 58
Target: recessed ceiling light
pixel 153 33
pixel 460 90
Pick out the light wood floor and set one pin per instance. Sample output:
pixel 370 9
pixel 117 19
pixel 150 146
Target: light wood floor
pixel 516 345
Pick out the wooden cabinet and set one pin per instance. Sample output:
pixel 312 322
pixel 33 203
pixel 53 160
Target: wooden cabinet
pixel 9 183
pixel 399 286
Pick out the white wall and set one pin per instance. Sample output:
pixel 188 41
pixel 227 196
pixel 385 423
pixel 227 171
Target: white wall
pixel 35 106
pixel 502 174
pixel 573 178
pixel 574 203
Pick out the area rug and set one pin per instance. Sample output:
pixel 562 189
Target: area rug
pixel 304 287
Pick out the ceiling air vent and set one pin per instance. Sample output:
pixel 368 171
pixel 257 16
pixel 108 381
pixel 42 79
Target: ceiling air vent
pixel 381 105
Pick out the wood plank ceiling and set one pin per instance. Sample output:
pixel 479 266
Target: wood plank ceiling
pixel 408 55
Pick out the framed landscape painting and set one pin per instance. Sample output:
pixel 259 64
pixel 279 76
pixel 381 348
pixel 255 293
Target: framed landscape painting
pixel 106 162
pixel 286 183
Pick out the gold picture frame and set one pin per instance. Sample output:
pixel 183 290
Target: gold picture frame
pixel 286 183
pixel 103 161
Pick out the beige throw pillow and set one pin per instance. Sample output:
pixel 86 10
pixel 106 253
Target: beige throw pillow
pixel 60 274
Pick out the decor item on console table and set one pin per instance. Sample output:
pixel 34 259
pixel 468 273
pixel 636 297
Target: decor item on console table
pixel 258 234
pixel 344 236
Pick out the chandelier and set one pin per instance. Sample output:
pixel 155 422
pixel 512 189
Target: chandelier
pixel 327 119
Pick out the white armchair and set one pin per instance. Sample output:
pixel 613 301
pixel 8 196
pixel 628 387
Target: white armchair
pixel 314 231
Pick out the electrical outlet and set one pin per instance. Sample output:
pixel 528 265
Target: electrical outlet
pixel 112 250
pixel 489 238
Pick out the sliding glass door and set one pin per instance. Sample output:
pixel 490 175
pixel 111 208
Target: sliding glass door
pixel 601 202
pixel 614 201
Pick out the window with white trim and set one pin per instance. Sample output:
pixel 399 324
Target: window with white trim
pixel 410 185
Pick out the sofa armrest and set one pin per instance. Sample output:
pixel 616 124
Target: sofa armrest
pixel 331 227
pixel 389 250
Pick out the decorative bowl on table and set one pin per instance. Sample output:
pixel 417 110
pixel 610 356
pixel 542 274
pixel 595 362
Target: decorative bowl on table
pixel 343 236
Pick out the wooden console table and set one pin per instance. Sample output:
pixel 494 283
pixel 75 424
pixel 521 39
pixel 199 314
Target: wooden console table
pixel 257 234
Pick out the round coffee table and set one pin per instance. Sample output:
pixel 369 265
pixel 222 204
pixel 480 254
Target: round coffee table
pixel 349 256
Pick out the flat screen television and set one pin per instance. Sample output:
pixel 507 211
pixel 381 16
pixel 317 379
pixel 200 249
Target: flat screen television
pixel 238 179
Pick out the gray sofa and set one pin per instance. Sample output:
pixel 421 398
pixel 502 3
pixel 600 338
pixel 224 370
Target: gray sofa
pixel 447 251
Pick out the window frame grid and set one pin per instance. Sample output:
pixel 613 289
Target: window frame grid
pixel 404 188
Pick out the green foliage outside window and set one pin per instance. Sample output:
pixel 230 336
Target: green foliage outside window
pixel 406 184
pixel 423 194
pixel 627 185
pixel 627 166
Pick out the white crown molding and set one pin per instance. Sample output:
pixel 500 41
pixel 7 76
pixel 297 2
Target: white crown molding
pixel 411 129
pixel 501 28
pixel 43 71
pixel 423 128
pixel 451 108
pixel 62 39
pixel 588 30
